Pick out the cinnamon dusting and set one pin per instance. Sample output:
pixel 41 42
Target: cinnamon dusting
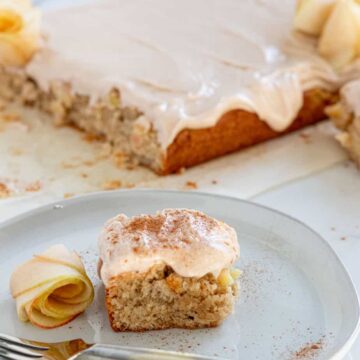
pixel 309 351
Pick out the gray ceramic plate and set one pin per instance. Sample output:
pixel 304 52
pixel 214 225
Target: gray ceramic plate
pixel 295 292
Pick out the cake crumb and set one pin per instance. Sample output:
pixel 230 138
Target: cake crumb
pixel 343 238
pixel 89 162
pixel 131 166
pixel 4 191
pixel 120 159
pixel 16 151
pixel 191 185
pixel 78 163
pixel 10 117
pixel 90 138
pixel 68 165
pixel 180 171
pixel 112 185
pixel 214 182
pixel 34 186
pixel 68 195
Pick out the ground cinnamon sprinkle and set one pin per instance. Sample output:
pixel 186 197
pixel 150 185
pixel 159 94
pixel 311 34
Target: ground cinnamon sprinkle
pixel 309 351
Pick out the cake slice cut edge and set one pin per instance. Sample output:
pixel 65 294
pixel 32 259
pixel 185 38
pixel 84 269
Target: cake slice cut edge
pixel 345 116
pixel 161 299
pixel 133 138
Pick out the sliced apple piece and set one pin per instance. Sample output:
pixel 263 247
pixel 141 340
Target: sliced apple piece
pixel 311 15
pixel 52 288
pixel 339 42
pixel 225 279
pixel 235 273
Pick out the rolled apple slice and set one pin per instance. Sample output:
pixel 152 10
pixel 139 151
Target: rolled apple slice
pixel 52 288
pixel 311 15
pixel 340 39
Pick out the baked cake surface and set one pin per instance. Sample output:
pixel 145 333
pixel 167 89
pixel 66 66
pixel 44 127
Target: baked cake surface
pixel 171 269
pixel 158 78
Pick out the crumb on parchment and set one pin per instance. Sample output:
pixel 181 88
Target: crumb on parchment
pixel 191 185
pixel 4 191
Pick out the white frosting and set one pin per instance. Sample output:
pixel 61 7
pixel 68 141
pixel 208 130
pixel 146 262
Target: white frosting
pixel 192 243
pixel 185 63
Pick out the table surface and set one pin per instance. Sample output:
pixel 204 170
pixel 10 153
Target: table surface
pixel 325 194
pixel 330 203
pixel 327 199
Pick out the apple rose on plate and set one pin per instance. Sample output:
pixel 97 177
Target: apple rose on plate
pixel 52 288
pixel 19 32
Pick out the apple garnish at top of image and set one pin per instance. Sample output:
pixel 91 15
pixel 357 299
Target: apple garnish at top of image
pixel 19 32
pixel 311 15
pixel 340 39
pixel 336 23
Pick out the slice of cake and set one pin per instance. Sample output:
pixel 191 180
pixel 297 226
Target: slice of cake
pixel 335 25
pixel 346 116
pixel 168 270
pixel 173 84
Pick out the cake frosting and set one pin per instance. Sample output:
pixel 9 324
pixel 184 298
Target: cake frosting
pixel 186 63
pixel 190 242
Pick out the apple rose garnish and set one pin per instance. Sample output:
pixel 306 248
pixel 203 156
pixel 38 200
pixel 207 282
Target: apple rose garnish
pixel 52 288
pixel 336 23
pixel 19 32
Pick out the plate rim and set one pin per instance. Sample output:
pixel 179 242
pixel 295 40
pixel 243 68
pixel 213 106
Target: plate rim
pixel 338 355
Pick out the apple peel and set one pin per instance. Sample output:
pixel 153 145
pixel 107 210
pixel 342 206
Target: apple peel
pixel 52 288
